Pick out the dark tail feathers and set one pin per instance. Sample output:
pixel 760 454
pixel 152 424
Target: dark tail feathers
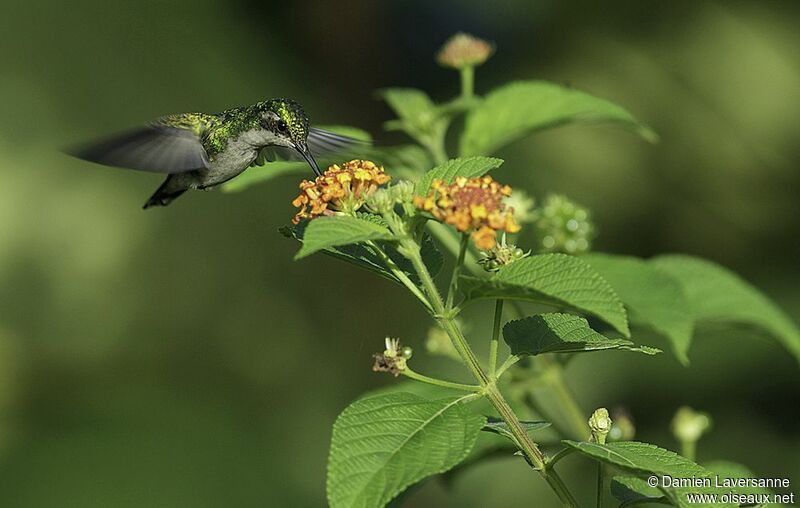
pixel 163 195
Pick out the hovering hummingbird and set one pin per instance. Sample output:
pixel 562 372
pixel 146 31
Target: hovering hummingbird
pixel 200 151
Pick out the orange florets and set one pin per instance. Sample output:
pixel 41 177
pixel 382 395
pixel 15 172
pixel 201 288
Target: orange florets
pixel 342 188
pixel 471 204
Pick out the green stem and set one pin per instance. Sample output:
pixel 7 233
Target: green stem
pixel 510 361
pixel 498 318
pixel 400 274
pixel 462 251
pixel 689 449
pixel 440 382
pixel 489 388
pixel 600 489
pixel 558 456
pixel 467 82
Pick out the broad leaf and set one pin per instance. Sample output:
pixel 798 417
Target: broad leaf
pixel 652 296
pixel 325 232
pixel 560 333
pixel 403 161
pixel 717 294
pixel 383 444
pixel 363 257
pixel 275 169
pixel 517 109
pixel 466 166
pixel 558 280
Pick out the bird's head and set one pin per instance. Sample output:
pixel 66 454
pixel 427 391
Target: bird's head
pixel 287 121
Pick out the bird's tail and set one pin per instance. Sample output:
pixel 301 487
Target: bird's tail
pixel 164 195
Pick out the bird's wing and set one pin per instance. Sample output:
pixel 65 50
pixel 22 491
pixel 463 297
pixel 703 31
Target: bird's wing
pixel 157 147
pixel 321 143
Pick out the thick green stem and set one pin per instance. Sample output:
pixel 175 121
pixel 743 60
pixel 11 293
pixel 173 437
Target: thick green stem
pixel 498 318
pixel 689 449
pixel 600 489
pixel 440 382
pixel 489 388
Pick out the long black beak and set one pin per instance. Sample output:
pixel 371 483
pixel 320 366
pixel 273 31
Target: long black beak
pixel 306 153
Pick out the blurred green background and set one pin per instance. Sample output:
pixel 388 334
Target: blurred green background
pixel 179 357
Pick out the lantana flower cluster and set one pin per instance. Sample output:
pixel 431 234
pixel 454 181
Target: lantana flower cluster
pixel 471 205
pixel 342 188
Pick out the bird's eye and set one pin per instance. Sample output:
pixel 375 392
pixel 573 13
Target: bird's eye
pixel 281 126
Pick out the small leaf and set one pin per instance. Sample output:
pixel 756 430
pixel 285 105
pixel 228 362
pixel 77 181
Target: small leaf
pixel 275 169
pixel 560 333
pixel 715 293
pixel 520 108
pixel 558 280
pixel 500 427
pixel 654 298
pixel 324 232
pixel 466 166
pixel 417 115
pixel 364 257
pixel 385 443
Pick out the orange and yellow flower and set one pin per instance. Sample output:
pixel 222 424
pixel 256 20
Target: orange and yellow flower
pixel 342 188
pixel 471 205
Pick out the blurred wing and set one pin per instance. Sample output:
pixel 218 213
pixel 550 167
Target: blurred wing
pixel 157 148
pixel 321 143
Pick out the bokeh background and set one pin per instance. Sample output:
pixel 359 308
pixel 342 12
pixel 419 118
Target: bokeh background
pixel 179 357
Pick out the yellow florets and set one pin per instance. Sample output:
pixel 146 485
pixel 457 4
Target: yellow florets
pixel 342 188
pixel 471 204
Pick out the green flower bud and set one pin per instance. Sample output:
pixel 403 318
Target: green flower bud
pixel 407 352
pixel 563 226
pixel 623 428
pixel 381 201
pixel 403 191
pixel 600 424
pixel 689 425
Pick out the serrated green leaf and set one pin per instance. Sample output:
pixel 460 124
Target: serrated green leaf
pixel 628 489
pixel 325 232
pixel 561 333
pixel 364 257
pixel 520 108
pixel 558 280
pixel 465 166
pixel 653 297
pixel 383 444
pixel 715 293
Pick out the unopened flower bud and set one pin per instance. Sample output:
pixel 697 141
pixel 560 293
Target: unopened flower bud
pixel 600 424
pixel 689 425
pixel 381 201
pixel 464 50
pixel 623 428
pixel 403 191
pixel 563 226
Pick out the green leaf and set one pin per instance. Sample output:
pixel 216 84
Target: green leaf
pixel 406 161
pixel 466 166
pixel 560 333
pixel 325 232
pixel 271 170
pixel 653 297
pixel 517 109
pixel 558 280
pixel 501 428
pixel 717 294
pixel 363 257
pixel 629 489
pixel 417 115
pixel 383 444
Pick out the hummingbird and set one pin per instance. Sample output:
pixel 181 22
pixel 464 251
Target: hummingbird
pixel 202 150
